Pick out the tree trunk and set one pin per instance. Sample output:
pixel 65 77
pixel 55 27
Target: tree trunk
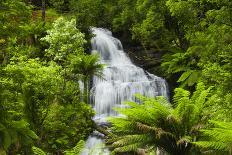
pixel 43 10
pixel 86 90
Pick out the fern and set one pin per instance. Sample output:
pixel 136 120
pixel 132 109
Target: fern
pixel 153 122
pixel 185 75
pixel 77 149
pixel 38 151
pixel 218 138
pixel 14 131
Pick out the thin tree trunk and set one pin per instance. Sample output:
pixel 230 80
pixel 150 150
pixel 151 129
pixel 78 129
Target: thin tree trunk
pixel 86 90
pixel 43 10
pixel 65 74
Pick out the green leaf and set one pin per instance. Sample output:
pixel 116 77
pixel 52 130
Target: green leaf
pixel 38 151
pixel 185 75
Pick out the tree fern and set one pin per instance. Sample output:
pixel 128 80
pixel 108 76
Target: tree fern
pixel 153 122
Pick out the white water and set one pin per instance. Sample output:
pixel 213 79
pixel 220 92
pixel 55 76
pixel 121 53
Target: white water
pixel 121 80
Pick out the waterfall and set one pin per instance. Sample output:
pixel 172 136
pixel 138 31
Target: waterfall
pixel 121 80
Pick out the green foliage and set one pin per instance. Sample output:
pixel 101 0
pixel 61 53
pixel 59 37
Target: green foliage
pixel 14 16
pixel 37 151
pixel 13 129
pixel 66 125
pixel 217 138
pixel 60 5
pixel 59 120
pixel 40 99
pixel 16 10
pixel 67 49
pixel 13 132
pixel 77 149
pixel 36 91
pixel 155 123
pixel 86 14
pixel 86 66
pixel 65 40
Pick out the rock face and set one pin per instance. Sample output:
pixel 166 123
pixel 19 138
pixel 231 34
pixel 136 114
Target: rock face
pixel 149 60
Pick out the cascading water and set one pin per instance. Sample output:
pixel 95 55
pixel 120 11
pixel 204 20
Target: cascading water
pixel 121 80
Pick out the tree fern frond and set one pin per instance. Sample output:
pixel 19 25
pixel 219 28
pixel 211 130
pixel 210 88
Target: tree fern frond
pixel 122 125
pixel 131 139
pixel 226 125
pixel 182 107
pixel 163 101
pixel 128 148
pixel 199 88
pixel 201 99
pixel 38 151
pixel 219 134
pixel 77 149
pixel 141 98
pixel 180 94
pixel 184 140
pixel 212 145
pixel 219 137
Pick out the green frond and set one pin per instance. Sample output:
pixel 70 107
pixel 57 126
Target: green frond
pixel 163 135
pixel 219 134
pixel 184 140
pixel 170 128
pixel 185 75
pixel 145 128
pixel 128 148
pixel 180 94
pixel 147 112
pixel 163 101
pixel 38 151
pixel 77 149
pixel 199 88
pixel 212 145
pixel 14 131
pixel 226 125
pixel 201 99
pixel 218 137
pixel 183 107
pixel 132 104
pixel 131 139
pixel 87 65
pixel 141 98
pixel 122 125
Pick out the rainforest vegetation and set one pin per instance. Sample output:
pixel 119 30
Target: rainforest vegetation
pixel 46 68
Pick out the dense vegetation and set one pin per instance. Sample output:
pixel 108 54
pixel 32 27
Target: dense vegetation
pixel 44 59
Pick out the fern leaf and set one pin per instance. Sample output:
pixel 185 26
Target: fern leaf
pixel 38 151
pixel 185 75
